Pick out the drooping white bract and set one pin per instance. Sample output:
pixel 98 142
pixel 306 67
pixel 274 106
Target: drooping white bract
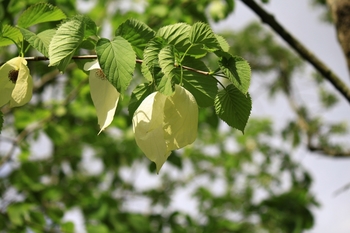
pixel 164 123
pixel 16 83
pixel 104 95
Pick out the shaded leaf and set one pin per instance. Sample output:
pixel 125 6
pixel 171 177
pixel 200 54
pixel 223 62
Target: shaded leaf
pixel 203 87
pixel 138 95
pixel 233 107
pixel 237 70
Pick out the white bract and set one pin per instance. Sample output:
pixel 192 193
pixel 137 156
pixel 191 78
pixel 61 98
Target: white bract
pixel 164 123
pixel 104 95
pixel 16 84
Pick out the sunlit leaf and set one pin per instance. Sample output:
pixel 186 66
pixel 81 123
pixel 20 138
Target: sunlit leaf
pixel 176 34
pixel 65 42
pixel 41 41
pixel 201 33
pixel 167 63
pixel 39 13
pixel 137 33
pixel 9 35
pixel 117 60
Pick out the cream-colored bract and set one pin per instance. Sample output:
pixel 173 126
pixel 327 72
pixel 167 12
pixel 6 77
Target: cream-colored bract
pixel 20 92
pixel 104 95
pixel 164 123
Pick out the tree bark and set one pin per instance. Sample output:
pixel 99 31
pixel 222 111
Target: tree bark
pixel 340 10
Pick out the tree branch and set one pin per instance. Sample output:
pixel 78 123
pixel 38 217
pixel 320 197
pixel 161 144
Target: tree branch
pixel 300 49
pixel 95 57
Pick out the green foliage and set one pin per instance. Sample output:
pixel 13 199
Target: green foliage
pixel 224 171
pixel 9 35
pixel 117 60
pixel 233 107
pixel 40 13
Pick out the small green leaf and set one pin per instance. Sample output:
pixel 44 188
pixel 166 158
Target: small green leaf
pixel 201 33
pixel 137 33
pixel 237 70
pixel 138 95
pixel 64 43
pixel 233 107
pixel 67 227
pixel 223 43
pixel 41 41
pixel 9 35
pixel 167 64
pixel 39 13
pixel 117 60
pixel 18 212
pixel 97 228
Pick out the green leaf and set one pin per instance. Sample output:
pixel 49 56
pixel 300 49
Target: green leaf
pixel 223 43
pixel 97 228
pixel 9 35
pixel 201 33
pixel 137 33
pixel 233 107
pixel 138 95
pixel 203 87
pixel 117 60
pixel 176 34
pixel 18 212
pixel 67 227
pixel 90 27
pixel 39 13
pixel 146 73
pixel 64 43
pixel 151 53
pixel 237 70
pixel 167 63
pixel 41 41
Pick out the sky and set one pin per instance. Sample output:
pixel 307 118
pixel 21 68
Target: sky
pixel 329 174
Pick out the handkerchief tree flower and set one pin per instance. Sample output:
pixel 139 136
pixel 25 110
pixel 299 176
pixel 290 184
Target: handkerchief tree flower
pixel 104 95
pixel 16 83
pixel 164 123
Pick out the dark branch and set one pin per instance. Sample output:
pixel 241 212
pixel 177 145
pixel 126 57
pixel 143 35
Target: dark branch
pixel 300 48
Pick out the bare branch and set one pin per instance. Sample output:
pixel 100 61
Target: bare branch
pixel 300 48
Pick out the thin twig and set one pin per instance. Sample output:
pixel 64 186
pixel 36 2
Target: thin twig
pixel 300 48
pixel 42 58
pixel 342 189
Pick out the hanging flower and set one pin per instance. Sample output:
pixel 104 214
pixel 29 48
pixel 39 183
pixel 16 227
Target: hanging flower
pixel 164 123
pixel 104 95
pixel 16 84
